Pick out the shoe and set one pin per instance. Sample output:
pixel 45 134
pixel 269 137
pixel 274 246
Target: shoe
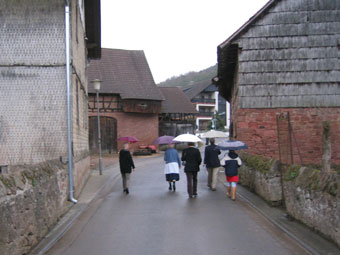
pixel 190 196
pixel 127 191
pixel 213 189
pixel 195 195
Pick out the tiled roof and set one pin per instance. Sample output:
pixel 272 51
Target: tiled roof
pixel 176 101
pixel 193 90
pixel 124 72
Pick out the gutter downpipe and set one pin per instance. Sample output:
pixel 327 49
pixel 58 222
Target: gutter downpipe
pixel 68 92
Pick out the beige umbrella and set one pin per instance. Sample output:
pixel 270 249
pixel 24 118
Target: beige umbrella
pixel 214 134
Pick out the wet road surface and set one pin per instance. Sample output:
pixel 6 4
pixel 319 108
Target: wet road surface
pixel 152 220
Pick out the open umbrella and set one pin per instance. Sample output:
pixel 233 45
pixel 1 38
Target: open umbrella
pixel 232 145
pixel 129 139
pixel 165 139
pixel 214 134
pixel 187 138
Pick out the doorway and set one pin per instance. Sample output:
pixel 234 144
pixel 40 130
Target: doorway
pixel 108 129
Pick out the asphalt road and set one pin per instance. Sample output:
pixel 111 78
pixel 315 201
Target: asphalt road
pixel 154 221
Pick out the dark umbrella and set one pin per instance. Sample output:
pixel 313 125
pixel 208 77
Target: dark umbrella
pixel 129 139
pixel 232 145
pixel 165 139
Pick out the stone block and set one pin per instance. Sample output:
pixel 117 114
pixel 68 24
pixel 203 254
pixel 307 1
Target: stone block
pixel 312 197
pixel 263 176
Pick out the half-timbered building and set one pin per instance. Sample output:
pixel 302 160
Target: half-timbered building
pixel 129 99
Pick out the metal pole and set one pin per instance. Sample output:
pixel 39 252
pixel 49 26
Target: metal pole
pixel 99 137
pixel 68 92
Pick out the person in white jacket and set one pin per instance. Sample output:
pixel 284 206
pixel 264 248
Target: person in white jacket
pixel 231 163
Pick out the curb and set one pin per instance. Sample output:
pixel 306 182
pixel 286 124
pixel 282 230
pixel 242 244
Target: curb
pixel 303 244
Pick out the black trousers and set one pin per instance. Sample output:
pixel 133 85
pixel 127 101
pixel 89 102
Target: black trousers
pixel 192 183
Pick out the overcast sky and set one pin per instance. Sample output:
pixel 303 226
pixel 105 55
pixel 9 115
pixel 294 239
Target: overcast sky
pixel 177 36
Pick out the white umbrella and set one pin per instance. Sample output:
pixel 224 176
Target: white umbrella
pixel 214 134
pixel 187 138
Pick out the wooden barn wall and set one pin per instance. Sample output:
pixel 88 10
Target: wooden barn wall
pixel 141 106
pixel 290 57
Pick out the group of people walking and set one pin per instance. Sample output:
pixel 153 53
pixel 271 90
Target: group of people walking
pixel 191 160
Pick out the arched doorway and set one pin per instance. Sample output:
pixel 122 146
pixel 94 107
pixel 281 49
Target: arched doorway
pixel 108 129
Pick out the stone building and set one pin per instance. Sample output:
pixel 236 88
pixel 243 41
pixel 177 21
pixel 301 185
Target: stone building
pixel 280 72
pixel 207 101
pixel 33 112
pixel 178 115
pixel 129 99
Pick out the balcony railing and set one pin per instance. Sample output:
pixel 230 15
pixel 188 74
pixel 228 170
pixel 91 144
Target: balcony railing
pixel 205 114
pixel 203 100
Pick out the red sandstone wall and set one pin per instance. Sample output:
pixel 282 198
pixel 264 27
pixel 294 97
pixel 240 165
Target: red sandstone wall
pixel 258 128
pixel 142 126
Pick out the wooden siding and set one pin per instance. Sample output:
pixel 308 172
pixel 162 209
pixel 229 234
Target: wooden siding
pixel 107 103
pixel 142 106
pixel 290 57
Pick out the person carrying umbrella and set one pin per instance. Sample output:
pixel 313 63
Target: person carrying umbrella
pixel 231 163
pixel 126 165
pixel 172 166
pixel 212 163
pixel 192 158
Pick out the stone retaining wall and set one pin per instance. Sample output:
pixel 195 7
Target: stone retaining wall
pixel 313 197
pixel 310 196
pixel 266 182
pixel 32 199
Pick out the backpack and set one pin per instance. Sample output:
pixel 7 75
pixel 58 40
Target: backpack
pixel 231 168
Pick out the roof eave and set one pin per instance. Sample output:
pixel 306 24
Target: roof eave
pixel 246 25
pixel 93 28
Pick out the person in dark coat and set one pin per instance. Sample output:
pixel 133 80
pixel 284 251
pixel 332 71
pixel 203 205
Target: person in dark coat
pixel 231 163
pixel 192 158
pixel 126 165
pixel 212 163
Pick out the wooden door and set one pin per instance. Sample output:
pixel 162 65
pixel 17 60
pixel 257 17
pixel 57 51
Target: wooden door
pixel 108 129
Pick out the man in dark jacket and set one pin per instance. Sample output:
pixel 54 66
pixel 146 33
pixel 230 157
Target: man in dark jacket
pixel 126 165
pixel 192 158
pixel 212 163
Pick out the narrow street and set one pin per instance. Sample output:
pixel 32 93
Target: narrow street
pixel 153 220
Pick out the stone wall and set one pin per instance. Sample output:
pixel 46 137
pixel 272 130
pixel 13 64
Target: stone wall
pixel 313 197
pixel 32 199
pixel 33 119
pixel 310 196
pixel 266 181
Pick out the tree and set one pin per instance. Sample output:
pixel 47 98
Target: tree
pixel 219 123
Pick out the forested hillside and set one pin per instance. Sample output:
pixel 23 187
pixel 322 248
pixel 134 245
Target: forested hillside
pixel 190 78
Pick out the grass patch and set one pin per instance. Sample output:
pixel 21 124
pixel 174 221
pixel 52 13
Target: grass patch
pixel 8 182
pixel 291 172
pixel 256 162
